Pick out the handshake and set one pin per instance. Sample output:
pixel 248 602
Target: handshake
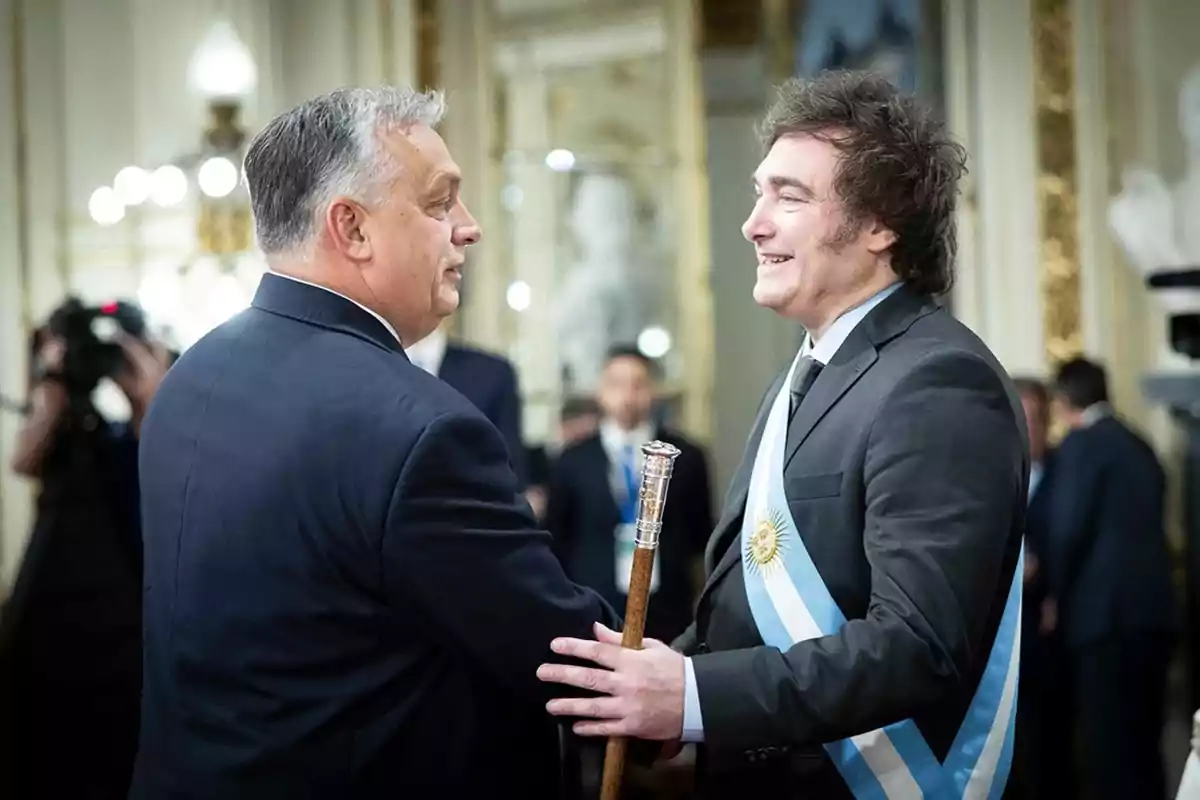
pixel 637 687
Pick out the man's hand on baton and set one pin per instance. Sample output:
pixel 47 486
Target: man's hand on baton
pixel 644 687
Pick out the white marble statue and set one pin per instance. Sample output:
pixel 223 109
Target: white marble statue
pixel 1157 224
pixel 608 296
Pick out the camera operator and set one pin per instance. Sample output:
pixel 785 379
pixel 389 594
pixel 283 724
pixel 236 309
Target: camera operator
pixel 72 628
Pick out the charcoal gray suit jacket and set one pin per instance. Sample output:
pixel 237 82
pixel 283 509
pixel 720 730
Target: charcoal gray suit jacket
pixel 906 469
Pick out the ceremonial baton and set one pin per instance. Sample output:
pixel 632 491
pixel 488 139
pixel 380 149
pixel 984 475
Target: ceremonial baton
pixel 657 466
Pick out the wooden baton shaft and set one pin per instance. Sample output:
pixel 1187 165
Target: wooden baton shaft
pixel 631 637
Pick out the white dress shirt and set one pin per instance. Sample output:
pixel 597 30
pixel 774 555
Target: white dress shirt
pixel 382 321
pixel 430 352
pixel 822 350
pixel 1096 412
pixel 617 441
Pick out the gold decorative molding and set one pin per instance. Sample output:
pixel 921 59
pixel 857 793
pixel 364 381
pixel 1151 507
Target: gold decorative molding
pixel 1057 179
pixel 731 24
pixel 780 20
pixel 224 229
pixel 428 44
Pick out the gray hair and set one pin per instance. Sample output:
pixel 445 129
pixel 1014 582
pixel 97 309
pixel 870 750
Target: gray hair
pixel 325 148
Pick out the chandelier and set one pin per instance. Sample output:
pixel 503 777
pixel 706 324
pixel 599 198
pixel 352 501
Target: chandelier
pixel 209 180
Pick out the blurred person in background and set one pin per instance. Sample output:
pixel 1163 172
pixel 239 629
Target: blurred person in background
pixel 592 501
pixel 1044 701
pixel 1109 577
pixel 71 633
pixel 488 380
pixel 577 420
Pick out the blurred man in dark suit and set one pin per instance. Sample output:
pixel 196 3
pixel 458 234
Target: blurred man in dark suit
pixel 487 380
pixel 1109 575
pixel 1044 697
pixel 592 500
pixel 344 595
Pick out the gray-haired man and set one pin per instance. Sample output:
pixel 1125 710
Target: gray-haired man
pixel 345 596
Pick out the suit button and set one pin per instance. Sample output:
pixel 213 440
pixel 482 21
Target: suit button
pixel 702 648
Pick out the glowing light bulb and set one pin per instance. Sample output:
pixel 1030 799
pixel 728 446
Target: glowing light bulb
pixel 168 186
pixel 105 206
pixel 654 342
pixel 222 67
pixel 217 177
pixel 519 295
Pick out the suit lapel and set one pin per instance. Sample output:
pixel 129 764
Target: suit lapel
pixel 603 466
pixel 834 381
pixel 892 317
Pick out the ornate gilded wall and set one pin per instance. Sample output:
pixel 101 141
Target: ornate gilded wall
pixel 1057 184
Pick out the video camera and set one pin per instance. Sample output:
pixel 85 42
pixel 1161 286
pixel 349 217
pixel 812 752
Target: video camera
pixel 91 351
pixel 1179 291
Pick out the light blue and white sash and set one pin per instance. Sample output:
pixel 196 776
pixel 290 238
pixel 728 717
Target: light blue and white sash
pixel 791 604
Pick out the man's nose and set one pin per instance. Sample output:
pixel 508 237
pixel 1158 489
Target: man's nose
pixel 756 227
pixel 468 232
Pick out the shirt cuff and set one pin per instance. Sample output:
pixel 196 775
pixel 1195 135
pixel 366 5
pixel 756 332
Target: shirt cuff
pixel 693 726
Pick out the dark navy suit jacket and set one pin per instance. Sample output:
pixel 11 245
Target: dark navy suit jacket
pixel 1037 535
pixel 490 382
pixel 345 596
pixel 1039 651
pixel 1106 551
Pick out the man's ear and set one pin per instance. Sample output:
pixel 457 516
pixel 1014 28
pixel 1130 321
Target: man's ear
pixel 879 237
pixel 344 223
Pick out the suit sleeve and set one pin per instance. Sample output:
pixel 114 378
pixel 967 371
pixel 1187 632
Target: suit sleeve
pixel 943 470
pixel 463 550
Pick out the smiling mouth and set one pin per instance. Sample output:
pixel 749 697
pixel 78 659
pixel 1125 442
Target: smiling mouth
pixel 766 261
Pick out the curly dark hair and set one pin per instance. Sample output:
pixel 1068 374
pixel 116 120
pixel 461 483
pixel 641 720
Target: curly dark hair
pixel 898 164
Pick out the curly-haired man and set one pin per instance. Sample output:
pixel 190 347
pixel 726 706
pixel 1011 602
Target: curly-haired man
pixel 858 634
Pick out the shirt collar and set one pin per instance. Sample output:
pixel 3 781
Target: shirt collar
pixel 429 353
pixel 827 346
pixel 1096 412
pixel 615 439
pixel 382 321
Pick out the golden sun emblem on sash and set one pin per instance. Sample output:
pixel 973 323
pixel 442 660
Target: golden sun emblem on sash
pixel 767 541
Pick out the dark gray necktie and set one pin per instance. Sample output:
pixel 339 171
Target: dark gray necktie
pixel 802 380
